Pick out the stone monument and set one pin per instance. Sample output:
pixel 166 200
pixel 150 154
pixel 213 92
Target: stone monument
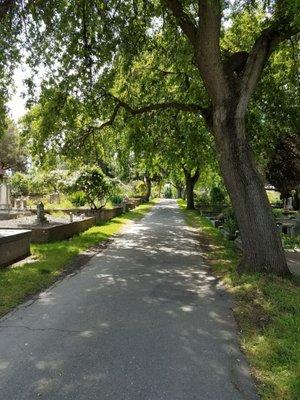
pixel 5 201
pixel 40 214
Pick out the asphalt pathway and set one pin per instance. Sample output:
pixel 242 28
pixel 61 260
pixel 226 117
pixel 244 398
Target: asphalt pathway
pixel 143 320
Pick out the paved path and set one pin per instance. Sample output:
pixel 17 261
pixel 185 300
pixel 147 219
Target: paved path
pixel 144 320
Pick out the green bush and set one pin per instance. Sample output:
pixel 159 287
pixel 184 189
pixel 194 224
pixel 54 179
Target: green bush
pixel 78 199
pixel 277 212
pixel 116 199
pixel 202 200
pixel 19 184
pixel 95 185
pixel 230 222
pixel 140 188
pixel 290 242
pixel 217 196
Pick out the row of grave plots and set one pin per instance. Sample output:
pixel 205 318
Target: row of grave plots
pixel 16 234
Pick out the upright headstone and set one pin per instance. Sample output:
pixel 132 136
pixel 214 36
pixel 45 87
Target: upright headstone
pixel 17 204
pixel 23 204
pixel 40 213
pixel 5 202
pixel 290 204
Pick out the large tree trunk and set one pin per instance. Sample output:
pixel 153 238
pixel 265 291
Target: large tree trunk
pixel 190 181
pixel 227 82
pixel 262 247
pixel 149 185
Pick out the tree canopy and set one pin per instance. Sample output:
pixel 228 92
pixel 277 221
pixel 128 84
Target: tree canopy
pixel 136 64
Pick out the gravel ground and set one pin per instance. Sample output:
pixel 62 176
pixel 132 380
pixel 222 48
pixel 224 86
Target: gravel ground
pixel 31 221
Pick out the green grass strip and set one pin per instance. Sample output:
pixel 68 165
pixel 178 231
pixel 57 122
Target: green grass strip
pixel 18 283
pixel 267 310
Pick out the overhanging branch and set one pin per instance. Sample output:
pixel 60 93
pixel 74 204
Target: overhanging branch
pixel 194 108
pixel 258 57
pixel 183 19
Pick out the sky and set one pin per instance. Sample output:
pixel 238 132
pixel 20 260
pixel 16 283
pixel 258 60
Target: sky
pixel 16 104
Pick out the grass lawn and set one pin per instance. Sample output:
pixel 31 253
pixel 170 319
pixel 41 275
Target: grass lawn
pixel 267 310
pixel 16 284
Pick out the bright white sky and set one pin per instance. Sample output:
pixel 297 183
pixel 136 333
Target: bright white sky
pixel 17 103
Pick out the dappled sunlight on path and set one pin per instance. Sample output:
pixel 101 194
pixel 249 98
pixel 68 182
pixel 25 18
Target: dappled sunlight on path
pixel 143 320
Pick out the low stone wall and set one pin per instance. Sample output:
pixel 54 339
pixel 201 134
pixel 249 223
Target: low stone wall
pixel 102 215
pixel 137 200
pixel 60 232
pixel 105 214
pixel 46 234
pixel 14 245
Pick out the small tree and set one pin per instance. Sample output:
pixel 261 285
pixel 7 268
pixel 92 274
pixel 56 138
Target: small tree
pixel 19 184
pixel 283 170
pixel 95 185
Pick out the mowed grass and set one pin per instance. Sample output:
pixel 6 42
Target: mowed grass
pixel 267 310
pixel 52 259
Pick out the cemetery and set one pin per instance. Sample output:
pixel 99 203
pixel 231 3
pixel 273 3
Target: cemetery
pixel 21 225
pixel 149 199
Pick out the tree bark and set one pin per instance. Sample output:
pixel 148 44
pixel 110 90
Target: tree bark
pixel 296 199
pixel 262 247
pixel 190 181
pixel 149 186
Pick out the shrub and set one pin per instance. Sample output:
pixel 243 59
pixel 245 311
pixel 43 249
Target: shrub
pixel 78 199
pixel 96 187
pixel 202 200
pixel 277 212
pixel 116 199
pixel 217 196
pixel 140 188
pixel 19 184
pixel 230 222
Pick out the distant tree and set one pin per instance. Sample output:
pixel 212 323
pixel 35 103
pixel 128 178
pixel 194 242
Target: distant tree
pixel 96 187
pixel 283 170
pixel 13 154
pixel 20 184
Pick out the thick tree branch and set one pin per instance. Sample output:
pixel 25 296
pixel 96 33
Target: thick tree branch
pixel 208 54
pixel 195 108
pixel 257 58
pixel 196 176
pixel 112 118
pixel 184 21
pixel 205 40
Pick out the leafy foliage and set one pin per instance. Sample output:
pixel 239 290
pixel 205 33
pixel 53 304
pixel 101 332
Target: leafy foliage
pixel 283 170
pixel 78 199
pixel 94 184
pixel 217 196
pixel 20 184
pixel 13 153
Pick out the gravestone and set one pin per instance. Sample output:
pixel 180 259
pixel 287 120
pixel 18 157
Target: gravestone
pixel 17 204
pixel 5 201
pixel 40 214
pixel 23 204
